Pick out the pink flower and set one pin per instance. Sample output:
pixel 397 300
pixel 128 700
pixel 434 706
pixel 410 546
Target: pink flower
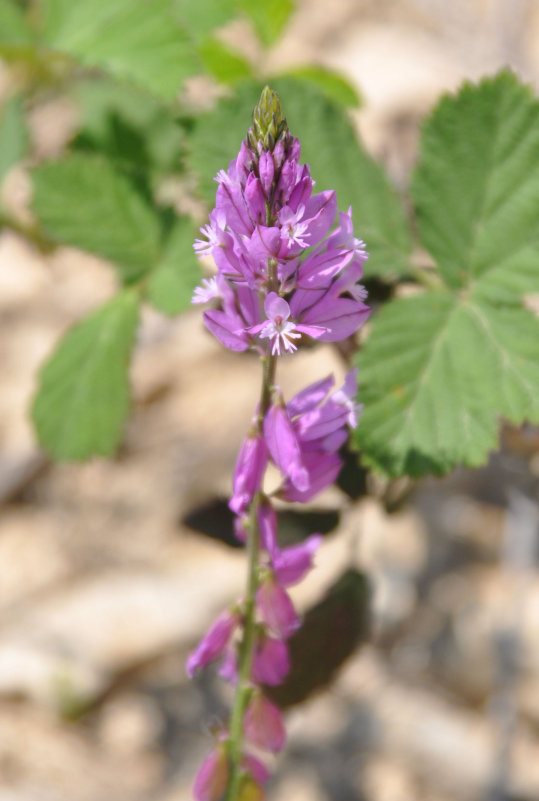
pixel 276 609
pixel 279 328
pixel 213 643
pixel 249 472
pixel 212 777
pixel 271 662
pixel 292 564
pixel 264 725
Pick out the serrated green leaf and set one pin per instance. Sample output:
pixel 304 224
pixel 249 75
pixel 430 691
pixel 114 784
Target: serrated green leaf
pixel 225 65
pixel 128 125
pixel 436 374
pixel 134 39
pixel 416 372
pixel 171 284
pixel 440 370
pixel 331 83
pixel 82 200
pixel 83 396
pixel 13 135
pixel 337 161
pixel 14 27
pixel 268 17
pixel 476 188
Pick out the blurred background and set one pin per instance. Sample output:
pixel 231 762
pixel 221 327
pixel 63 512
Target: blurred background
pixel 111 570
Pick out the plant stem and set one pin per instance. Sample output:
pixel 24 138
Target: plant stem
pixel 246 650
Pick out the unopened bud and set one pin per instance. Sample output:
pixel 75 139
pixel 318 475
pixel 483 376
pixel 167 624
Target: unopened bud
pixel 269 124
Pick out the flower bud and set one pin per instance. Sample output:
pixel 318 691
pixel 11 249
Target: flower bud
pixel 269 124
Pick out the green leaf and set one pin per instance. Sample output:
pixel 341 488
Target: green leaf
pixel 435 375
pixel 440 370
pixel 476 188
pixel 14 27
pixel 133 39
pixel 225 65
pixel 331 83
pixel 13 135
pixel 82 200
pixel 268 17
pixel 201 17
pixel 128 125
pixel 171 284
pixel 83 397
pixel 329 144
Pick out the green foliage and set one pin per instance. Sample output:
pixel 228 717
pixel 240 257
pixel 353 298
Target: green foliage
pixel 83 395
pixel 335 86
pixel 221 62
pixel 267 16
pixel 440 369
pixel 82 200
pixel 134 39
pixel 201 17
pixel 171 284
pixel 128 125
pixel 14 28
pixel 13 135
pixel 330 146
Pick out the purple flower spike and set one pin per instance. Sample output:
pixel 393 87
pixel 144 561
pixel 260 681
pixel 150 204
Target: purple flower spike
pixel 213 643
pixel 271 662
pixel 249 472
pixel 276 609
pixel 264 724
pixel 287 269
pixel 212 777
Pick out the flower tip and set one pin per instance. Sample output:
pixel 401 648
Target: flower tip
pixel 269 122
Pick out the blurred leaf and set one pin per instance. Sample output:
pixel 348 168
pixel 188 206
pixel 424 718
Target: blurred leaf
pixel 13 135
pixel 331 83
pixel 128 125
pixel 476 188
pixel 14 27
pixel 83 201
pixel 225 65
pixel 337 161
pixel 83 396
pixel 268 17
pixel 171 284
pixel 133 39
pixel 201 17
pixel 329 634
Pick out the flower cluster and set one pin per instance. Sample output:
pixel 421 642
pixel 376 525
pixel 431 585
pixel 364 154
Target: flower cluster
pixel 287 269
